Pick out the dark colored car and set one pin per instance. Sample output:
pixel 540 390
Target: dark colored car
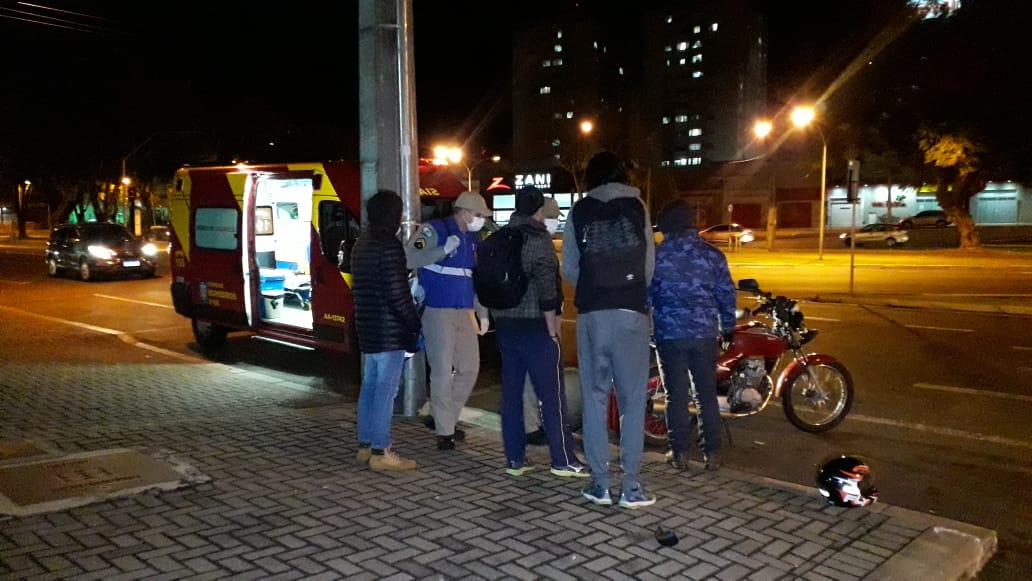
pixel 99 248
pixel 926 219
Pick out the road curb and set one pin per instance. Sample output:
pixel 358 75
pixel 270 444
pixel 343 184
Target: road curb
pixel 928 304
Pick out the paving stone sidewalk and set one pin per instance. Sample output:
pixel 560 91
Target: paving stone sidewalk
pixel 286 500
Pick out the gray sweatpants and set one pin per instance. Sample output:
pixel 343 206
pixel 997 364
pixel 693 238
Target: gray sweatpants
pixel 613 349
pixel 453 352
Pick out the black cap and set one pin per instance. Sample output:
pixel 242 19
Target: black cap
pixel 675 217
pixel 529 200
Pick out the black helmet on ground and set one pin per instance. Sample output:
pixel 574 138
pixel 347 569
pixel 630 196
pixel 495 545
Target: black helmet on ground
pixel 846 481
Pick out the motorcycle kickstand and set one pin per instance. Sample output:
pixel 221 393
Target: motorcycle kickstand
pixel 727 431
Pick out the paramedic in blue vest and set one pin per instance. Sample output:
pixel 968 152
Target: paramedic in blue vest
pixel 528 340
pixel 444 251
pixel 613 329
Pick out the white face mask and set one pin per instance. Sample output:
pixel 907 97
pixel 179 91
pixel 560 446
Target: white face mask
pixel 476 224
pixel 552 225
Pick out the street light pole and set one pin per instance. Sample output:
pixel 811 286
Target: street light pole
pixel 824 189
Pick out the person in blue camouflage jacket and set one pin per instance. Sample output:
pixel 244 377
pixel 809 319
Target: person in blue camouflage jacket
pixel 693 305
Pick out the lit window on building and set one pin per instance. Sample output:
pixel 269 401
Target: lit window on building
pixel 668 48
pixel 557 115
pixel 681 162
pixel 664 163
pixel 696 29
pixel 694 161
pixel 546 64
pixel 557 62
pixel 569 114
pixel 666 120
pixel 680 118
pixel 545 90
pixel 682 61
pixel 668 62
pixel 559 34
pixel 697 44
pixel 713 27
pixel 556 143
pixel 669 19
pixel 695 131
pixel 696 74
pixel 696 58
pixel 694 146
pixel 558 48
pixel 621 71
pixel 682 46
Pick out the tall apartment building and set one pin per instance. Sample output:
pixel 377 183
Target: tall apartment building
pixel 670 86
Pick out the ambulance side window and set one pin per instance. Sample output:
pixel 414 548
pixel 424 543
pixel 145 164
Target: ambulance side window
pixel 338 230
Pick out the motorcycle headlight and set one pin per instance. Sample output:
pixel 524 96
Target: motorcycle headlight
pixel 101 252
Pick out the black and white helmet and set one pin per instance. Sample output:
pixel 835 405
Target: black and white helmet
pixel 846 481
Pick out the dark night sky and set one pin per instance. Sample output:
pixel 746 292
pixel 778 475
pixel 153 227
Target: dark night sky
pixel 127 70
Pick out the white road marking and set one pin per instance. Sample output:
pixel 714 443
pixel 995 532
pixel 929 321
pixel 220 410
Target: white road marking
pixel 114 298
pixel 121 335
pixel 968 391
pixel 941 431
pixel 930 328
pixel 823 319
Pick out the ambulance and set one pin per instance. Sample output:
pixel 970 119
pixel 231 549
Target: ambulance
pixel 263 249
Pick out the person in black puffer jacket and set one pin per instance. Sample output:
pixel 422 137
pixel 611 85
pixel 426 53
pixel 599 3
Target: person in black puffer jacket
pixel 388 326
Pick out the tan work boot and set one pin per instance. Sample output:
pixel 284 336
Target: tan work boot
pixel 363 454
pixel 390 461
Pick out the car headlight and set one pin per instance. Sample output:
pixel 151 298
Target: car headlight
pixel 843 236
pixel 101 252
pixel 149 249
pixel 747 237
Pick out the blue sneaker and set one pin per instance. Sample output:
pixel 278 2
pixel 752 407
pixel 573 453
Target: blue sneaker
pixel 636 498
pixel 518 468
pixel 575 470
pixel 598 494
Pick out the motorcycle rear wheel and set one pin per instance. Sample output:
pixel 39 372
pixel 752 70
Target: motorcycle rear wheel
pixel 819 408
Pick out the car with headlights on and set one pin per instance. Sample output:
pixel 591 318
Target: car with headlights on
pixel 889 235
pixel 95 249
pixel 722 233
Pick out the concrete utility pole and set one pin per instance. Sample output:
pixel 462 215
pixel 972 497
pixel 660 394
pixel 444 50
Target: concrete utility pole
pixel 388 142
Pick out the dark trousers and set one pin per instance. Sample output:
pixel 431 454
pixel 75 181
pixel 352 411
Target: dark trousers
pixel 535 354
pixel 690 371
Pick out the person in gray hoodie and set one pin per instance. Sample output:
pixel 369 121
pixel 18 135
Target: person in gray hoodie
pixel 609 256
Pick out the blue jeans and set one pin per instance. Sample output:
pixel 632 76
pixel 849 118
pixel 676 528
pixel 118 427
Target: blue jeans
pixel 381 374
pixel 690 371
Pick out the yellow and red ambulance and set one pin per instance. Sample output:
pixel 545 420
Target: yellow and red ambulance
pixel 263 249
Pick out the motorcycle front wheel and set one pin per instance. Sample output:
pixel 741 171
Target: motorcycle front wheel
pixel 818 400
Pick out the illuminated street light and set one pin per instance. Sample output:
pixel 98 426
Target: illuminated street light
pixel 445 155
pixel 803 117
pixel 586 127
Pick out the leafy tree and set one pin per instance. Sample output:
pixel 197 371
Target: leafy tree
pixel 956 163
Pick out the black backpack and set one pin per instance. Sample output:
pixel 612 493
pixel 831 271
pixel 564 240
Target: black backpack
pixel 498 277
pixel 611 240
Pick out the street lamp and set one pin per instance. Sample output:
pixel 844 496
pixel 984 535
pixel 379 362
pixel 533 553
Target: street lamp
pixel 802 117
pixel 450 155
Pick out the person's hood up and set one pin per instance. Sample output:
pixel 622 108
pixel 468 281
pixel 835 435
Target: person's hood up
pixel 383 210
pixel 613 190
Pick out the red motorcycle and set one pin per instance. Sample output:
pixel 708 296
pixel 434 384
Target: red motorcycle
pixel 815 389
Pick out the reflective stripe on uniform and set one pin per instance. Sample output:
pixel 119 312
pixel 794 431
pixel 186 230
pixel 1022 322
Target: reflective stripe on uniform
pixel 449 270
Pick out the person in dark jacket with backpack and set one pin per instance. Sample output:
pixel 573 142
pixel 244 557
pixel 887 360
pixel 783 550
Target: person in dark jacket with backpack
pixel 528 340
pixel 693 304
pixel 388 327
pixel 609 256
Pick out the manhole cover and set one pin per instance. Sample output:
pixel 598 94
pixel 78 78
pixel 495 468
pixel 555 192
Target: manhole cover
pixel 77 479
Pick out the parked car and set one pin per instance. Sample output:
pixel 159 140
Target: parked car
pixel 99 248
pixel 720 234
pixel 887 234
pixel 926 219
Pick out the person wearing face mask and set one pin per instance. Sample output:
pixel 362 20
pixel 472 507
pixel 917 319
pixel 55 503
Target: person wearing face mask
pixel 531 406
pixel 444 251
pixel 528 340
